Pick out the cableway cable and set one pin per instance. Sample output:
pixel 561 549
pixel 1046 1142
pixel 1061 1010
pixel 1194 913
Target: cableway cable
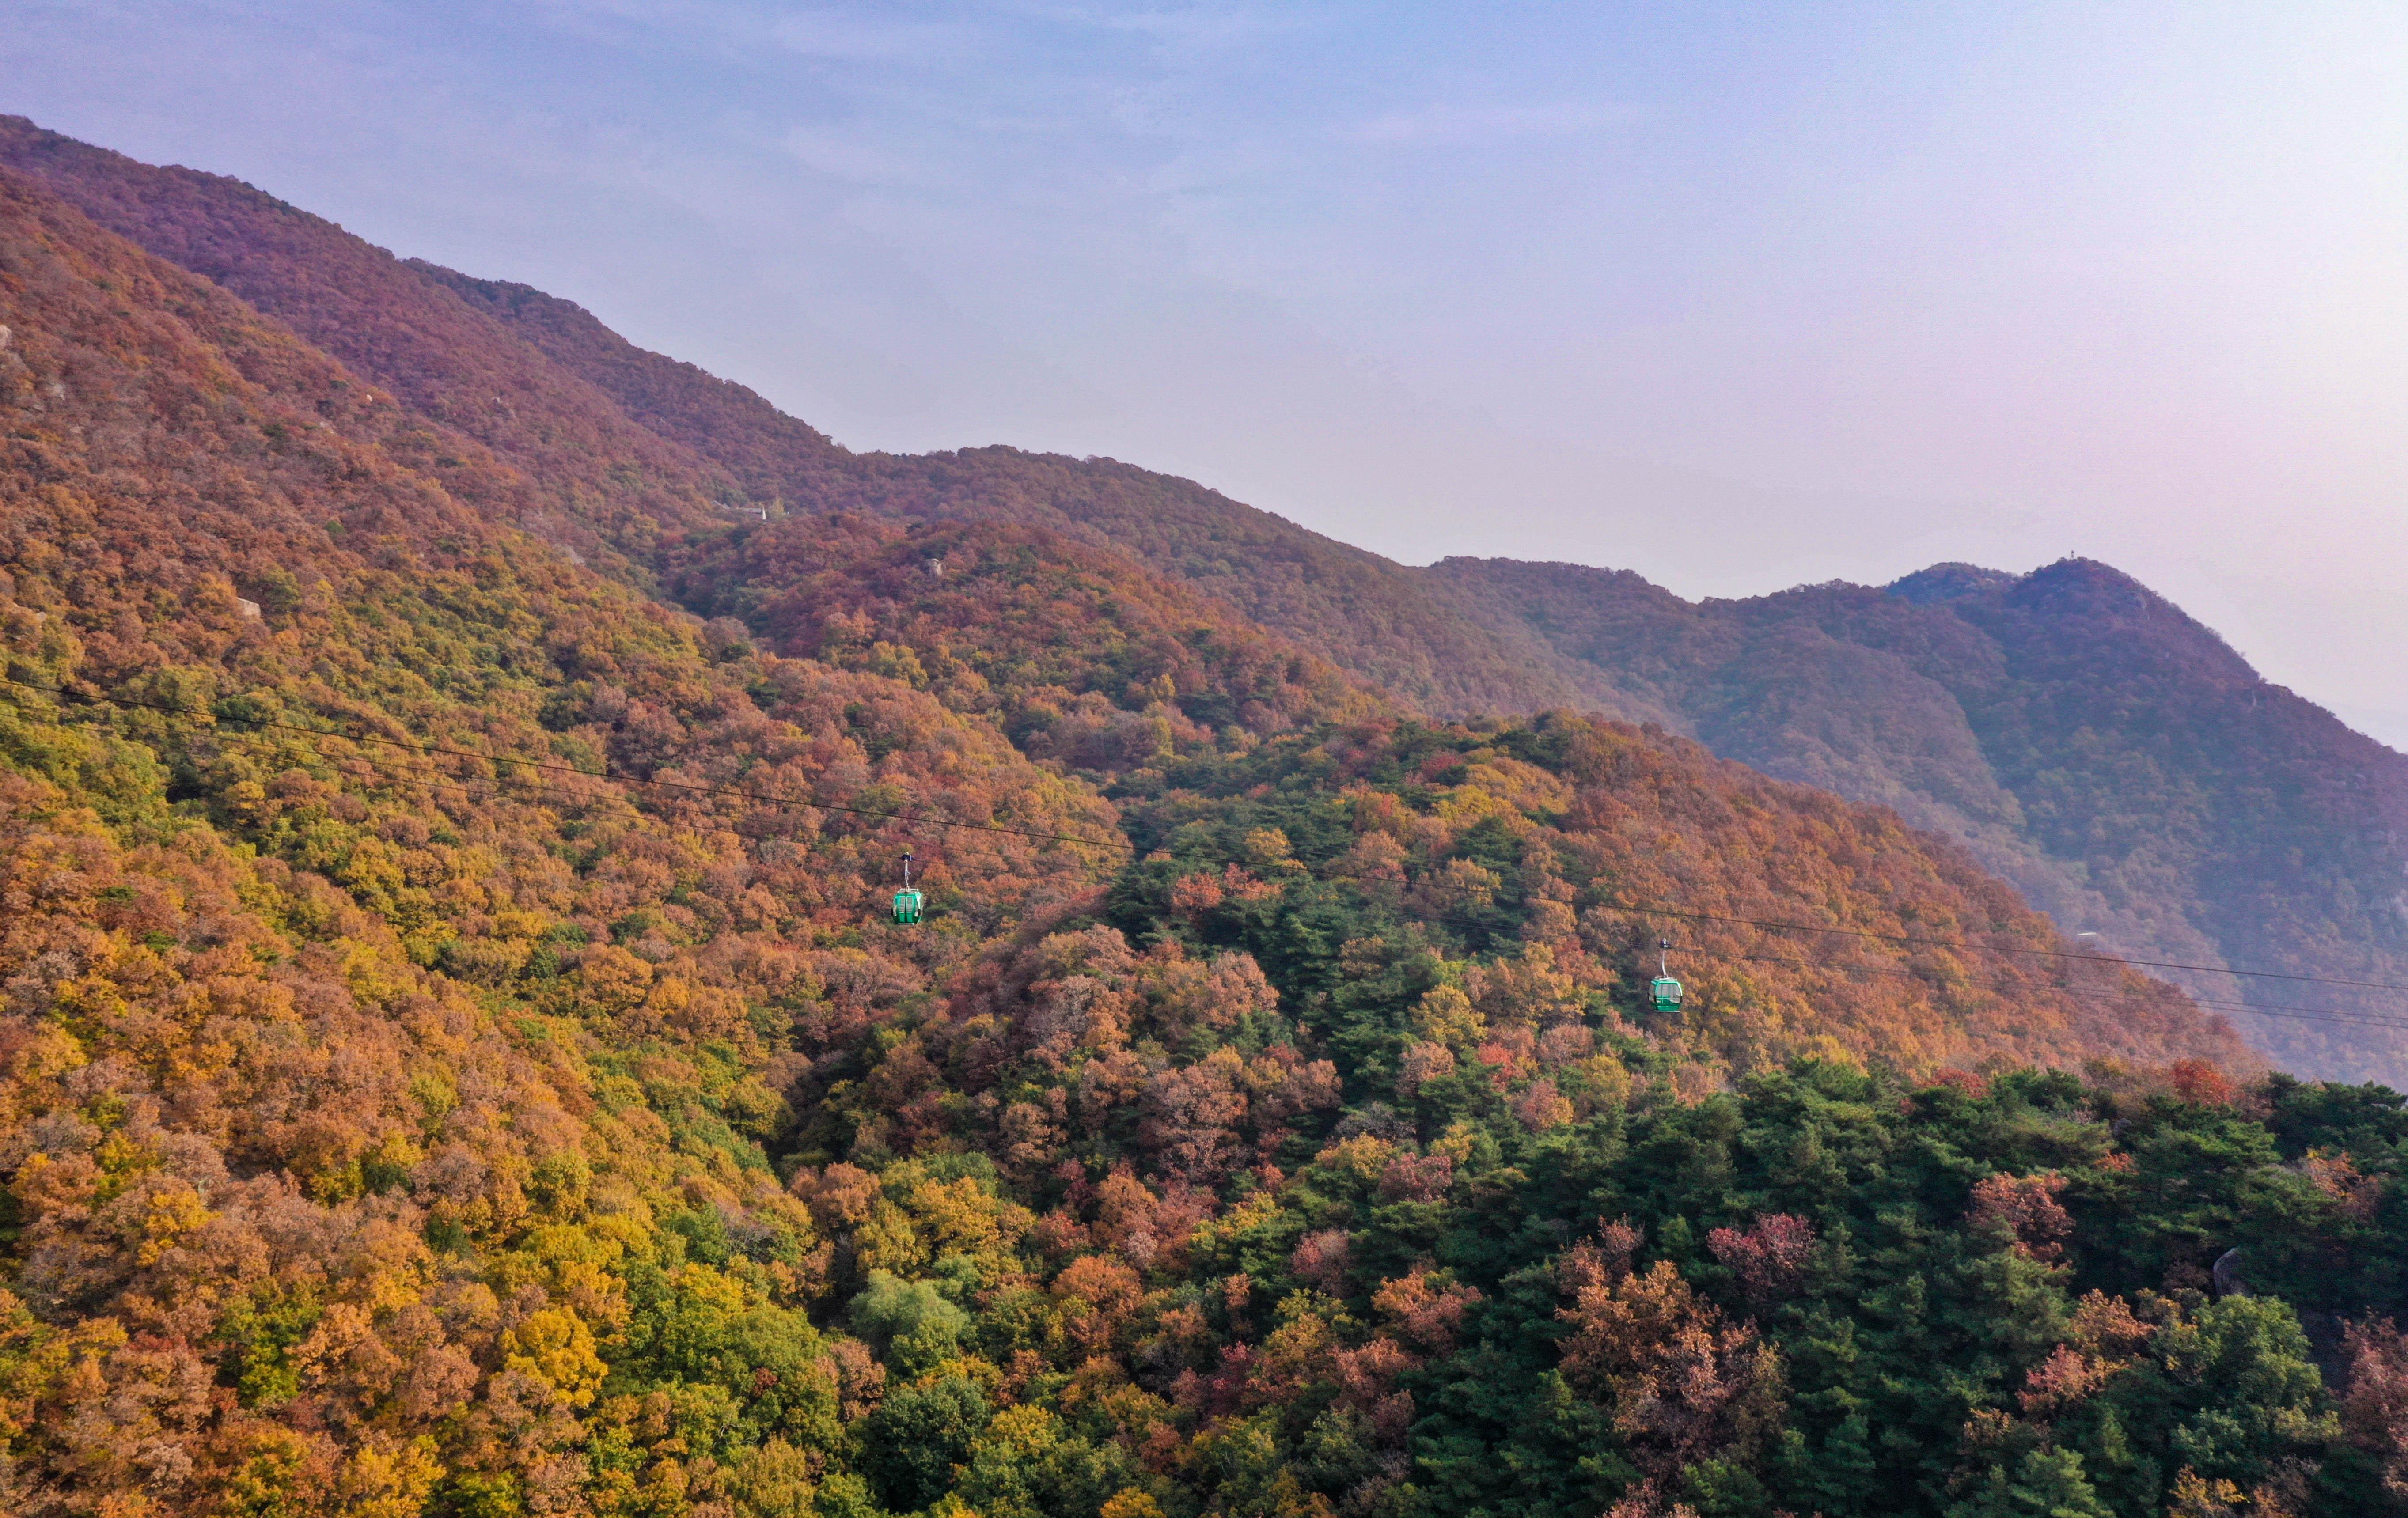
pixel 1654 910
pixel 2317 1014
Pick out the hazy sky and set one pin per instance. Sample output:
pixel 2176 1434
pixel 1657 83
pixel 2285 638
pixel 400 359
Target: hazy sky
pixel 1735 296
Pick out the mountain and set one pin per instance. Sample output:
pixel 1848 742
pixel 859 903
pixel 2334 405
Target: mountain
pixel 1050 665
pixel 1082 654
pixel 356 1069
pixel 2115 790
pixel 536 381
pixel 2115 759
pixel 1373 616
pixel 456 1057
pixel 2080 736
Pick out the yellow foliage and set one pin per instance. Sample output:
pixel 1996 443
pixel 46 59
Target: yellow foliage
pixel 2194 1496
pixel 1604 1080
pixel 1252 1212
pixel 939 1218
pixel 1445 1015
pixel 1361 1157
pixel 168 1215
pixel 386 1480
pixel 614 980
pixel 1467 803
pixel 1525 989
pixel 1267 848
pixel 889 1240
pixel 1026 1431
pixel 51 1051
pixel 1130 1502
pixel 555 1346
pixel 710 1288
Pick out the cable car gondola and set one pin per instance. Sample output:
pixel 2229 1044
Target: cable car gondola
pixel 1663 991
pixel 908 901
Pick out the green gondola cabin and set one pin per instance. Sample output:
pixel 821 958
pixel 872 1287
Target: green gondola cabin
pixel 1663 991
pixel 908 901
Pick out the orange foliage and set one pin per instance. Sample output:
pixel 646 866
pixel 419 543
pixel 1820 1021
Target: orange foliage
pixel 2026 1208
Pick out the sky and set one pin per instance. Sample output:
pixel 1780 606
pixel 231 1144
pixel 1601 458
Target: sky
pixel 1736 296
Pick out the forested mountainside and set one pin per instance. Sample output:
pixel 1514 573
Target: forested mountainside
pixel 584 473
pixel 1383 621
pixel 2113 758
pixel 455 1058
pixel 616 444
pixel 2107 775
pixel 1082 654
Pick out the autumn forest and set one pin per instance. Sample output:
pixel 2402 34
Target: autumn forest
pixel 458 1058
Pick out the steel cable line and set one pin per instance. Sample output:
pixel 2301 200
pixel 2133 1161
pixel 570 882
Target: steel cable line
pixel 1653 909
pixel 2313 1015
pixel 550 767
pixel 2317 1014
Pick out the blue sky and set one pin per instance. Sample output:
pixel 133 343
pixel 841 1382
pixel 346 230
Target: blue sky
pixel 1735 296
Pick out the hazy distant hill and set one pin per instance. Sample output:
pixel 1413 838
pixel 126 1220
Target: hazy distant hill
pixel 2080 736
pixel 2086 739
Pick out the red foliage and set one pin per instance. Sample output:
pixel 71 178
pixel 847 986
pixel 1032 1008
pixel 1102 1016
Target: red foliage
pixel 1428 1316
pixel 1602 1262
pixel 1769 1257
pixel 2338 1177
pixel 1965 1081
pixel 2065 1378
pixel 1683 1385
pixel 2201 1082
pixel 1222 1393
pixel 2026 1207
pixel 2374 1400
pixel 1423 1063
pixel 1538 1106
pixel 1365 1377
pixel 1100 1294
pixel 1417 1178
pixel 1322 1259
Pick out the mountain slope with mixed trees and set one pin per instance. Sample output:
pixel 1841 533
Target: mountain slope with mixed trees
pixel 2116 760
pixel 2078 733
pixel 614 441
pixel 456 1058
pixel 1405 632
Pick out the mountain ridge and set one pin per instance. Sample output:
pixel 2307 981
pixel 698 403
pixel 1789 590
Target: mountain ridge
pixel 2214 806
pixel 1871 704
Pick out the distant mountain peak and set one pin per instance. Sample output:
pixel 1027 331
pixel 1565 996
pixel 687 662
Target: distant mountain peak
pixel 1947 582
